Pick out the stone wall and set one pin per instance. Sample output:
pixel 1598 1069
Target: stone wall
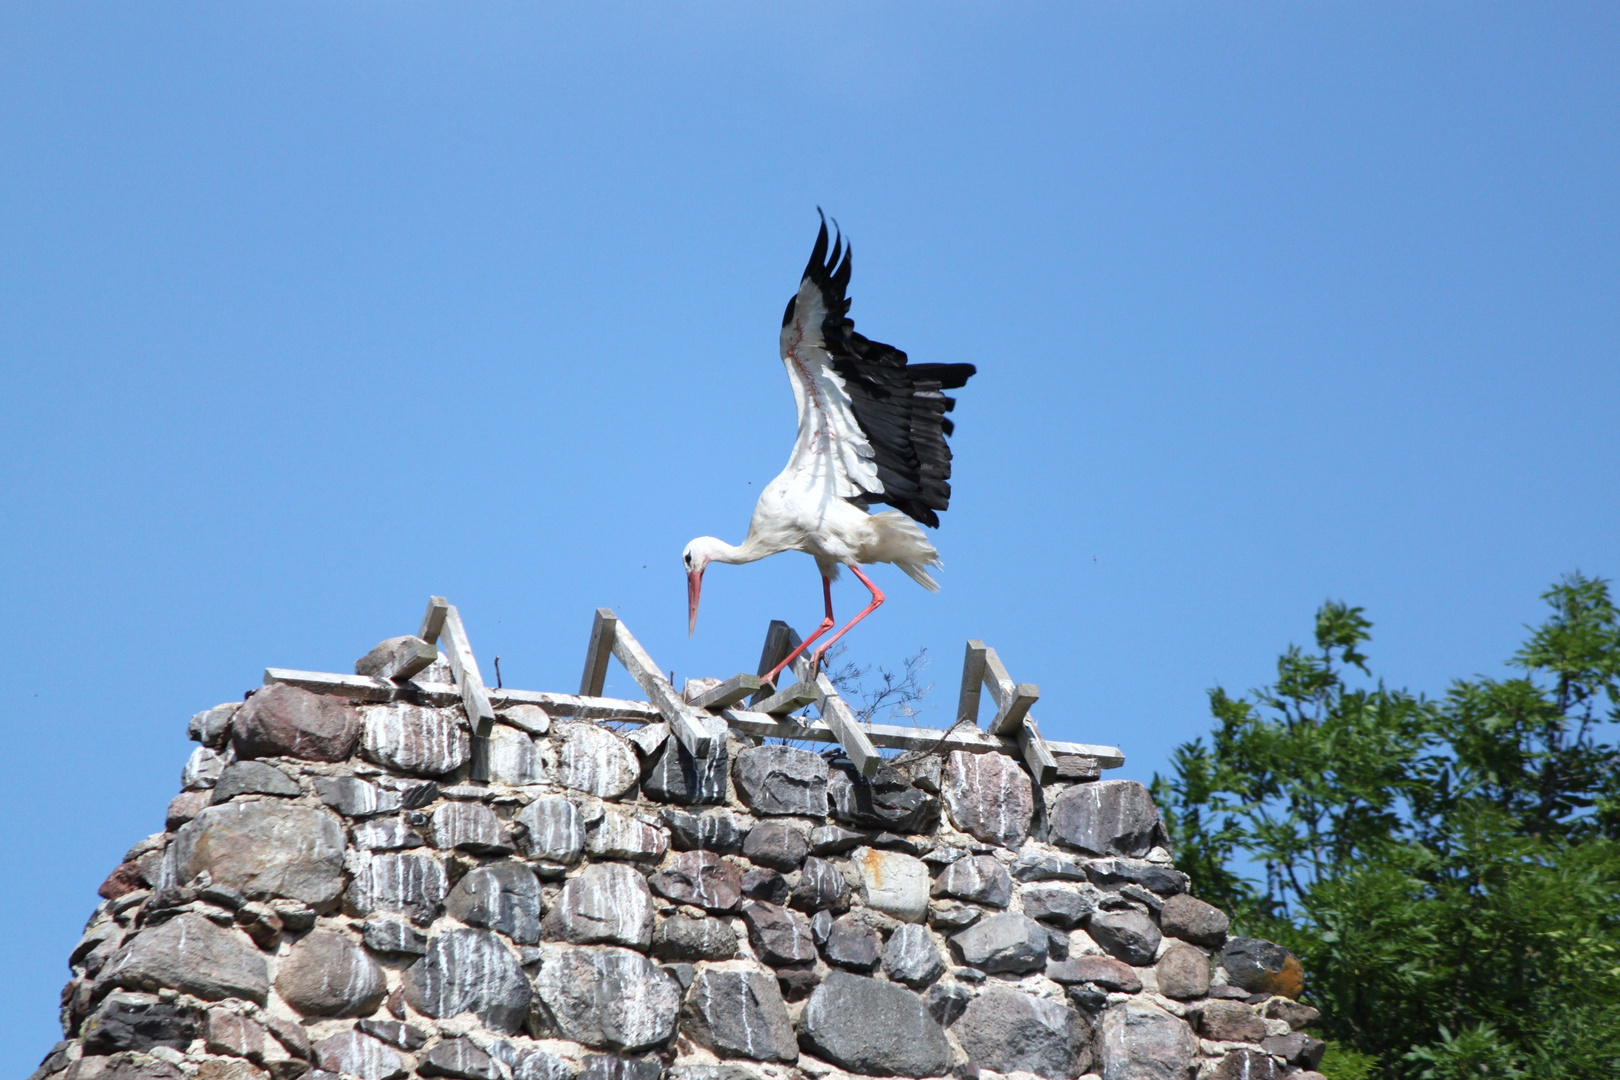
pixel 334 896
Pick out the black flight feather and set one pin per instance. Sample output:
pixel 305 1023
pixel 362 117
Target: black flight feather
pixel 899 405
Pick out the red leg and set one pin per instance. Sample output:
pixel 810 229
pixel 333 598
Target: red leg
pixel 826 625
pixel 877 601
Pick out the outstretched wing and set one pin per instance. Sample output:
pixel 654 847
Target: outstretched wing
pixel 866 416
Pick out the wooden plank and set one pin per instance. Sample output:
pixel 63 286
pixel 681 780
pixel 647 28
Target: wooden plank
pixel 1077 767
pixel 794 697
pixel 837 716
pixel 780 639
pixel 458 650
pixel 1009 718
pixel 603 630
pixel 996 679
pixel 355 687
pixel 897 737
pixel 397 658
pixel 727 693
pixel 576 707
pixel 967 706
pixel 750 722
pixel 433 621
pixel 1036 754
pixel 683 719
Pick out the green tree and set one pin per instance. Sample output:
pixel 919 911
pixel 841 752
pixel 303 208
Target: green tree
pixel 1448 870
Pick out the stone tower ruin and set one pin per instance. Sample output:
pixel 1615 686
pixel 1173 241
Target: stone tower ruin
pixel 403 873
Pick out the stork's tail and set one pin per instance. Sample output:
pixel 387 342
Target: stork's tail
pixel 904 545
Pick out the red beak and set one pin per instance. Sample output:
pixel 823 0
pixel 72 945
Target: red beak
pixel 694 588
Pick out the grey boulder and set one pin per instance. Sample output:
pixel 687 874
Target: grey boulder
pixel 873 1028
pixel 980 879
pixel 469 971
pixel 736 1010
pixel 606 902
pixel 503 896
pixel 193 955
pixel 326 974
pixel 609 998
pixel 911 957
pixel 1127 934
pixel 989 797
pixel 1110 817
pixel 700 878
pixel 1004 942
pixel 253 778
pixel 1140 1041
pixel 554 831
pixel 410 883
pixel 594 760
pixel 1009 1031
pixel 782 780
pixel 264 849
pixel 415 739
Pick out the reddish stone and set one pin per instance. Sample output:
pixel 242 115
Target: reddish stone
pixel 125 878
pixel 285 721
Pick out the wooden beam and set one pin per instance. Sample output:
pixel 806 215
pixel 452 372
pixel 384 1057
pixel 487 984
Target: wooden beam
pixel 750 722
pixel 837 716
pixel 353 687
pixel 397 658
pixel 1010 714
pixel 603 630
pixel 458 650
pixel 727 693
pixel 996 679
pixel 433 621
pixel 967 706
pixel 898 737
pixel 683 719
pixel 576 707
pixel 794 697
pixel 1036 754
pixel 780 639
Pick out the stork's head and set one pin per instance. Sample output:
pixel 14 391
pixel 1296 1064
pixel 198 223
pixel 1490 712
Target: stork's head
pixel 697 556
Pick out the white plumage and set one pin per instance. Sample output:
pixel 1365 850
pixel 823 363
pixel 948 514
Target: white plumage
pixel 868 422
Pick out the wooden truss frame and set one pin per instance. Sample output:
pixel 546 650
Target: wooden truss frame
pixel 1012 730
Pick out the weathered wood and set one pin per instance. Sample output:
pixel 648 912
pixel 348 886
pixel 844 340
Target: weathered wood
pixel 780 639
pixel 478 759
pixel 750 722
pixel 576 707
pixel 1077 767
pixel 603 630
pixel 996 679
pixel 967 707
pixel 727 693
pixel 474 696
pixel 433 621
pixel 794 697
pixel 837 715
pixel 1036 754
pixel 683 719
pixel 897 737
pixel 397 658
pixel 1010 713
pixel 354 687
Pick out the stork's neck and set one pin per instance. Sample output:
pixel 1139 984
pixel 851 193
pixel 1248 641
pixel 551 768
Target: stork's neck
pixel 752 549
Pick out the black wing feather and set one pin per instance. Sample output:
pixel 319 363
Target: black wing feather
pixel 899 405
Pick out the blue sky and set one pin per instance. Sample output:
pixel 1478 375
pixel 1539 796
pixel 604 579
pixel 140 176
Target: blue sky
pixel 308 311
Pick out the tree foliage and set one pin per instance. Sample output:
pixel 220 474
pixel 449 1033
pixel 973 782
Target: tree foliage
pixel 1448 870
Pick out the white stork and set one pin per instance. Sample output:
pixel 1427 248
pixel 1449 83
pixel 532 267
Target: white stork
pixel 872 429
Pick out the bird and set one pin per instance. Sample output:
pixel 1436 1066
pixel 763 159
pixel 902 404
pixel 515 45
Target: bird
pixel 872 429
